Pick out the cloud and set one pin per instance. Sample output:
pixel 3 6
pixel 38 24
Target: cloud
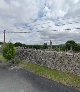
pixel 45 19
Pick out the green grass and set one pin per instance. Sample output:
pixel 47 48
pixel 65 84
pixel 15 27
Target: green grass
pixel 62 77
pixel 2 58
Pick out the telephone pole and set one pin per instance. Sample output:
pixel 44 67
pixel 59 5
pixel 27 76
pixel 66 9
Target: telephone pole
pixel 10 33
pixel 4 37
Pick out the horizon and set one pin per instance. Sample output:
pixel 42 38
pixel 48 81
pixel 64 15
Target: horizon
pixel 41 44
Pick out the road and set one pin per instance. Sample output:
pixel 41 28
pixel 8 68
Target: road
pixel 18 80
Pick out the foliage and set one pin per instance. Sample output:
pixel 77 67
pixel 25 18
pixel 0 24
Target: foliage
pixel 18 44
pixel 9 51
pixel 45 46
pixel 62 47
pixel 1 43
pixel 72 45
pixel 2 58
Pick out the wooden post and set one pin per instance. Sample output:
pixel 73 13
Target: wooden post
pixel 4 38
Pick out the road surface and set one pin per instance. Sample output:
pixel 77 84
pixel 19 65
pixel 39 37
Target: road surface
pixel 18 80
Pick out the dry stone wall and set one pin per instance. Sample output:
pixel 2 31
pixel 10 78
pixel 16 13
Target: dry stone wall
pixel 63 61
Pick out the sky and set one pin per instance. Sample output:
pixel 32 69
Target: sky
pixel 45 20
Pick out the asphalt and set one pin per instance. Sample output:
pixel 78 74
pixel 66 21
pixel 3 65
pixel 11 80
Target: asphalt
pixel 19 80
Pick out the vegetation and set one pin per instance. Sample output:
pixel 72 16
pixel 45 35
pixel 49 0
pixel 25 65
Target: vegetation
pixel 69 45
pixel 45 46
pixel 72 45
pixel 1 43
pixel 9 51
pixel 18 44
pixel 2 59
pixel 64 78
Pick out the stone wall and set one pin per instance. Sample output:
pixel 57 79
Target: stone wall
pixel 69 62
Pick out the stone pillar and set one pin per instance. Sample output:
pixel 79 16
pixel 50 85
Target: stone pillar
pixel 50 45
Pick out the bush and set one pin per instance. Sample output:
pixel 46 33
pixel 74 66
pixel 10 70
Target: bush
pixel 73 44
pixel 9 51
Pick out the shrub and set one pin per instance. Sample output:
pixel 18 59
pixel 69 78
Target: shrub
pixel 9 51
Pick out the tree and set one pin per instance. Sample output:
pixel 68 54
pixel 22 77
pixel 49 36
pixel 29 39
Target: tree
pixel 77 48
pixel 18 44
pixel 71 45
pixel 45 46
pixel 9 51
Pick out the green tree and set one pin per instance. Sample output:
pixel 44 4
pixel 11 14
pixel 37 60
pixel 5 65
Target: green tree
pixel 9 51
pixel 71 45
pixel 18 44
pixel 45 46
pixel 77 48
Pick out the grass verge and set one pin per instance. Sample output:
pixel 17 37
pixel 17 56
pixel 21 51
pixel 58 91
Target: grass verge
pixel 61 77
pixel 2 58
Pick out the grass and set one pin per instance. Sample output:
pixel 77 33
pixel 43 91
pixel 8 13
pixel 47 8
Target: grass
pixel 2 58
pixel 61 77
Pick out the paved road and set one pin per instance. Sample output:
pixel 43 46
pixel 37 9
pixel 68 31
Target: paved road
pixel 18 80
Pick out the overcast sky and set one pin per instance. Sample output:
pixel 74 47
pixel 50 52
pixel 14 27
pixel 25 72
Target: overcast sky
pixel 56 20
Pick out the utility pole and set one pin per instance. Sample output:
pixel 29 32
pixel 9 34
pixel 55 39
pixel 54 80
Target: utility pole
pixel 10 32
pixel 4 38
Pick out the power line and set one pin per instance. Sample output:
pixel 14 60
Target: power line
pixel 11 32
pixel 18 32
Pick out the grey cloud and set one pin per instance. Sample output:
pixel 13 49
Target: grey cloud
pixel 41 18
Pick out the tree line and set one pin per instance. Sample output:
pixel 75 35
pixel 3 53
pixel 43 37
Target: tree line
pixel 69 45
